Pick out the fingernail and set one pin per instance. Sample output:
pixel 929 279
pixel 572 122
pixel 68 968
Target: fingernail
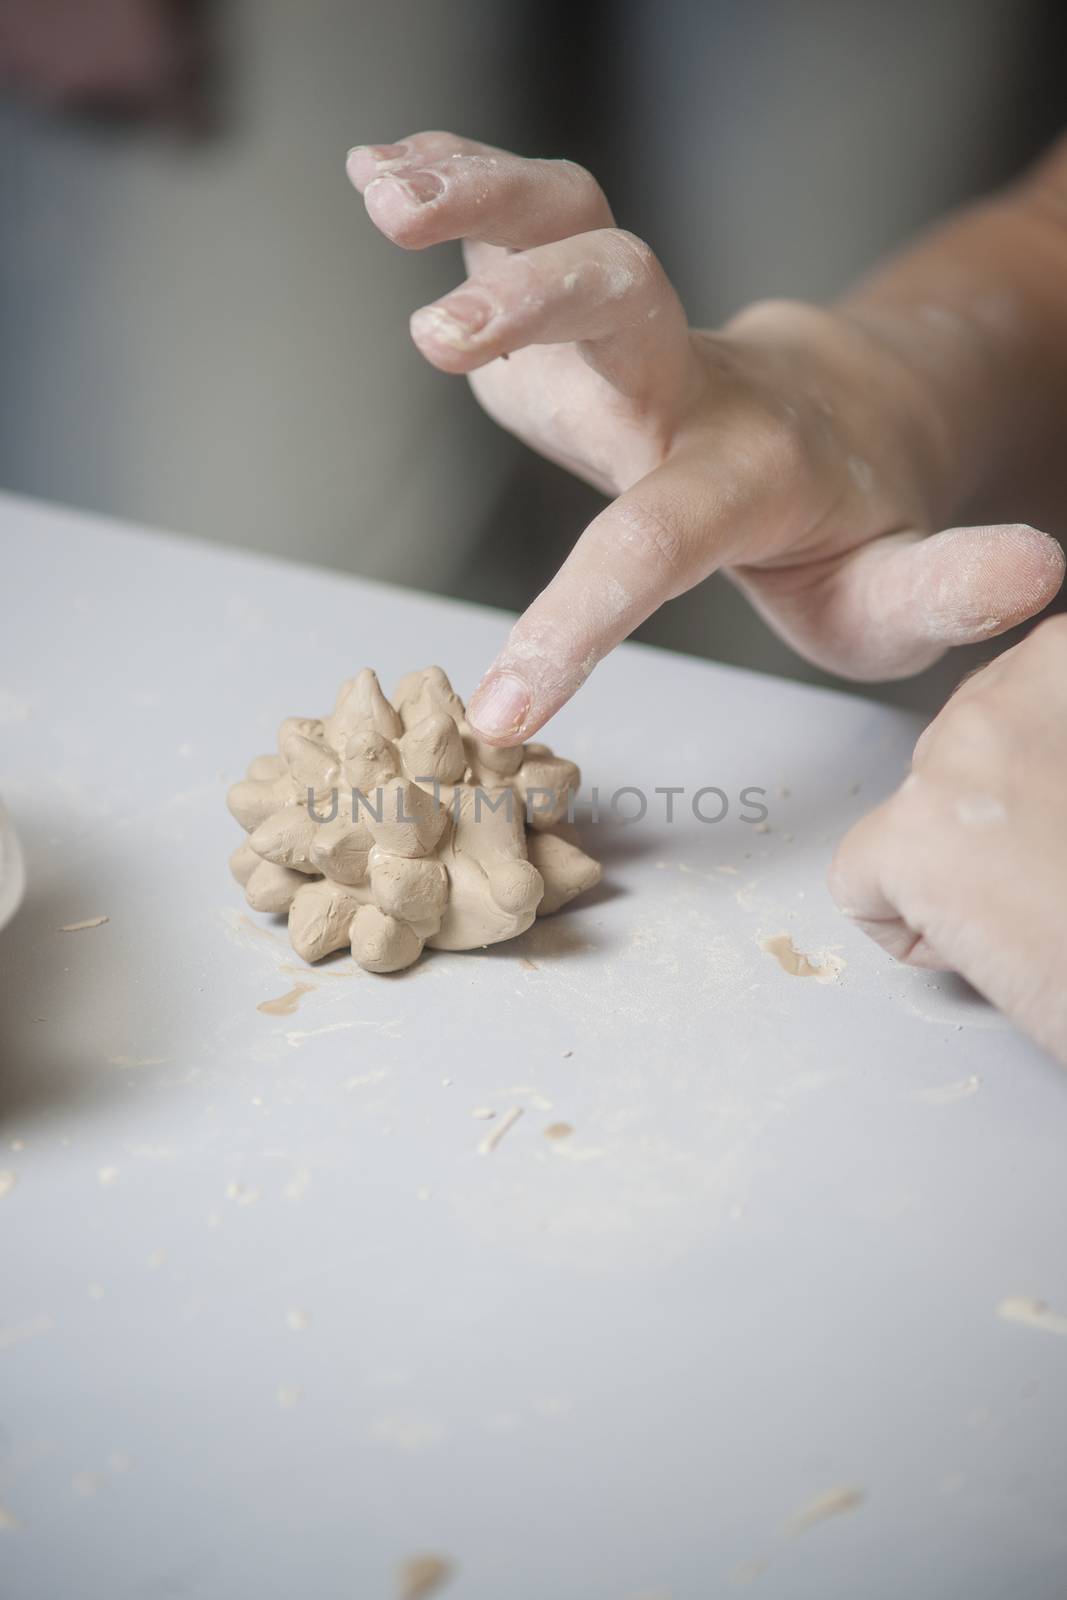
pixel 386 152
pixel 422 187
pixel 453 321
pixel 500 706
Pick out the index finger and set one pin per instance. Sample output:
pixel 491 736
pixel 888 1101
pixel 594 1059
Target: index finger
pixel 645 548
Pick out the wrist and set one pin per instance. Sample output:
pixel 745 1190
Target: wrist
pixel 977 315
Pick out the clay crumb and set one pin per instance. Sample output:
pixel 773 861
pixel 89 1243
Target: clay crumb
pixel 107 1176
pixel 1033 1313
pixel 8 1181
pixel 285 1004
pixel 747 1572
pixel 494 1136
pixel 530 965
pixel 82 927
pixel 831 1504
pixel 422 1576
pixel 8 1520
pixel 297 1321
pixel 946 1094
pixel 558 1130
pixel 483 1113
pixel 796 963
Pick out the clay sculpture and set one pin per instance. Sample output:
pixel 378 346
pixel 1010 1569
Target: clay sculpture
pixel 389 826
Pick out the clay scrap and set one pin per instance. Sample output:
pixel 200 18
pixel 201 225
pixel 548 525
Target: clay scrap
pixel 388 826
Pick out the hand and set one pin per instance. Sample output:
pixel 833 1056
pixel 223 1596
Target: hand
pixel 798 450
pixel 966 866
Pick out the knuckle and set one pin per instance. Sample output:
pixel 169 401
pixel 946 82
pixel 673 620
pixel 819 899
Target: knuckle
pixel 841 875
pixel 637 259
pixel 650 536
pixel 912 810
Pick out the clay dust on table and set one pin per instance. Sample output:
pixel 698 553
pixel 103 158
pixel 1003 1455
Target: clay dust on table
pixel 833 1503
pixel 796 963
pixel 286 1004
pixel 1033 1313
pixel 494 1136
pixel 423 1576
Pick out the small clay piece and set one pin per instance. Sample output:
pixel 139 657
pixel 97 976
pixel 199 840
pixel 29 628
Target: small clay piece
pixel 389 827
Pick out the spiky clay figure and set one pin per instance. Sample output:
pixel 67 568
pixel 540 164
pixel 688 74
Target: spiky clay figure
pixel 390 827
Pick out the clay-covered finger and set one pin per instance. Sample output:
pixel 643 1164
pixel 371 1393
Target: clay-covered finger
pixel 647 547
pixel 860 881
pixel 365 162
pixel 604 290
pixel 433 193
pixel 894 605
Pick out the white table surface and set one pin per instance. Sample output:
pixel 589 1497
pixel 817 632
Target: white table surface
pixel 270 1325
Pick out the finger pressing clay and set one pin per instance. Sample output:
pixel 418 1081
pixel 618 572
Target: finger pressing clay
pixel 389 826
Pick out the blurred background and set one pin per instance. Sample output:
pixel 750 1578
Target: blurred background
pixel 200 330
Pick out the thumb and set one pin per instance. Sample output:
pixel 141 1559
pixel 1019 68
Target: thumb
pixel 893 606
pixel 639 552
